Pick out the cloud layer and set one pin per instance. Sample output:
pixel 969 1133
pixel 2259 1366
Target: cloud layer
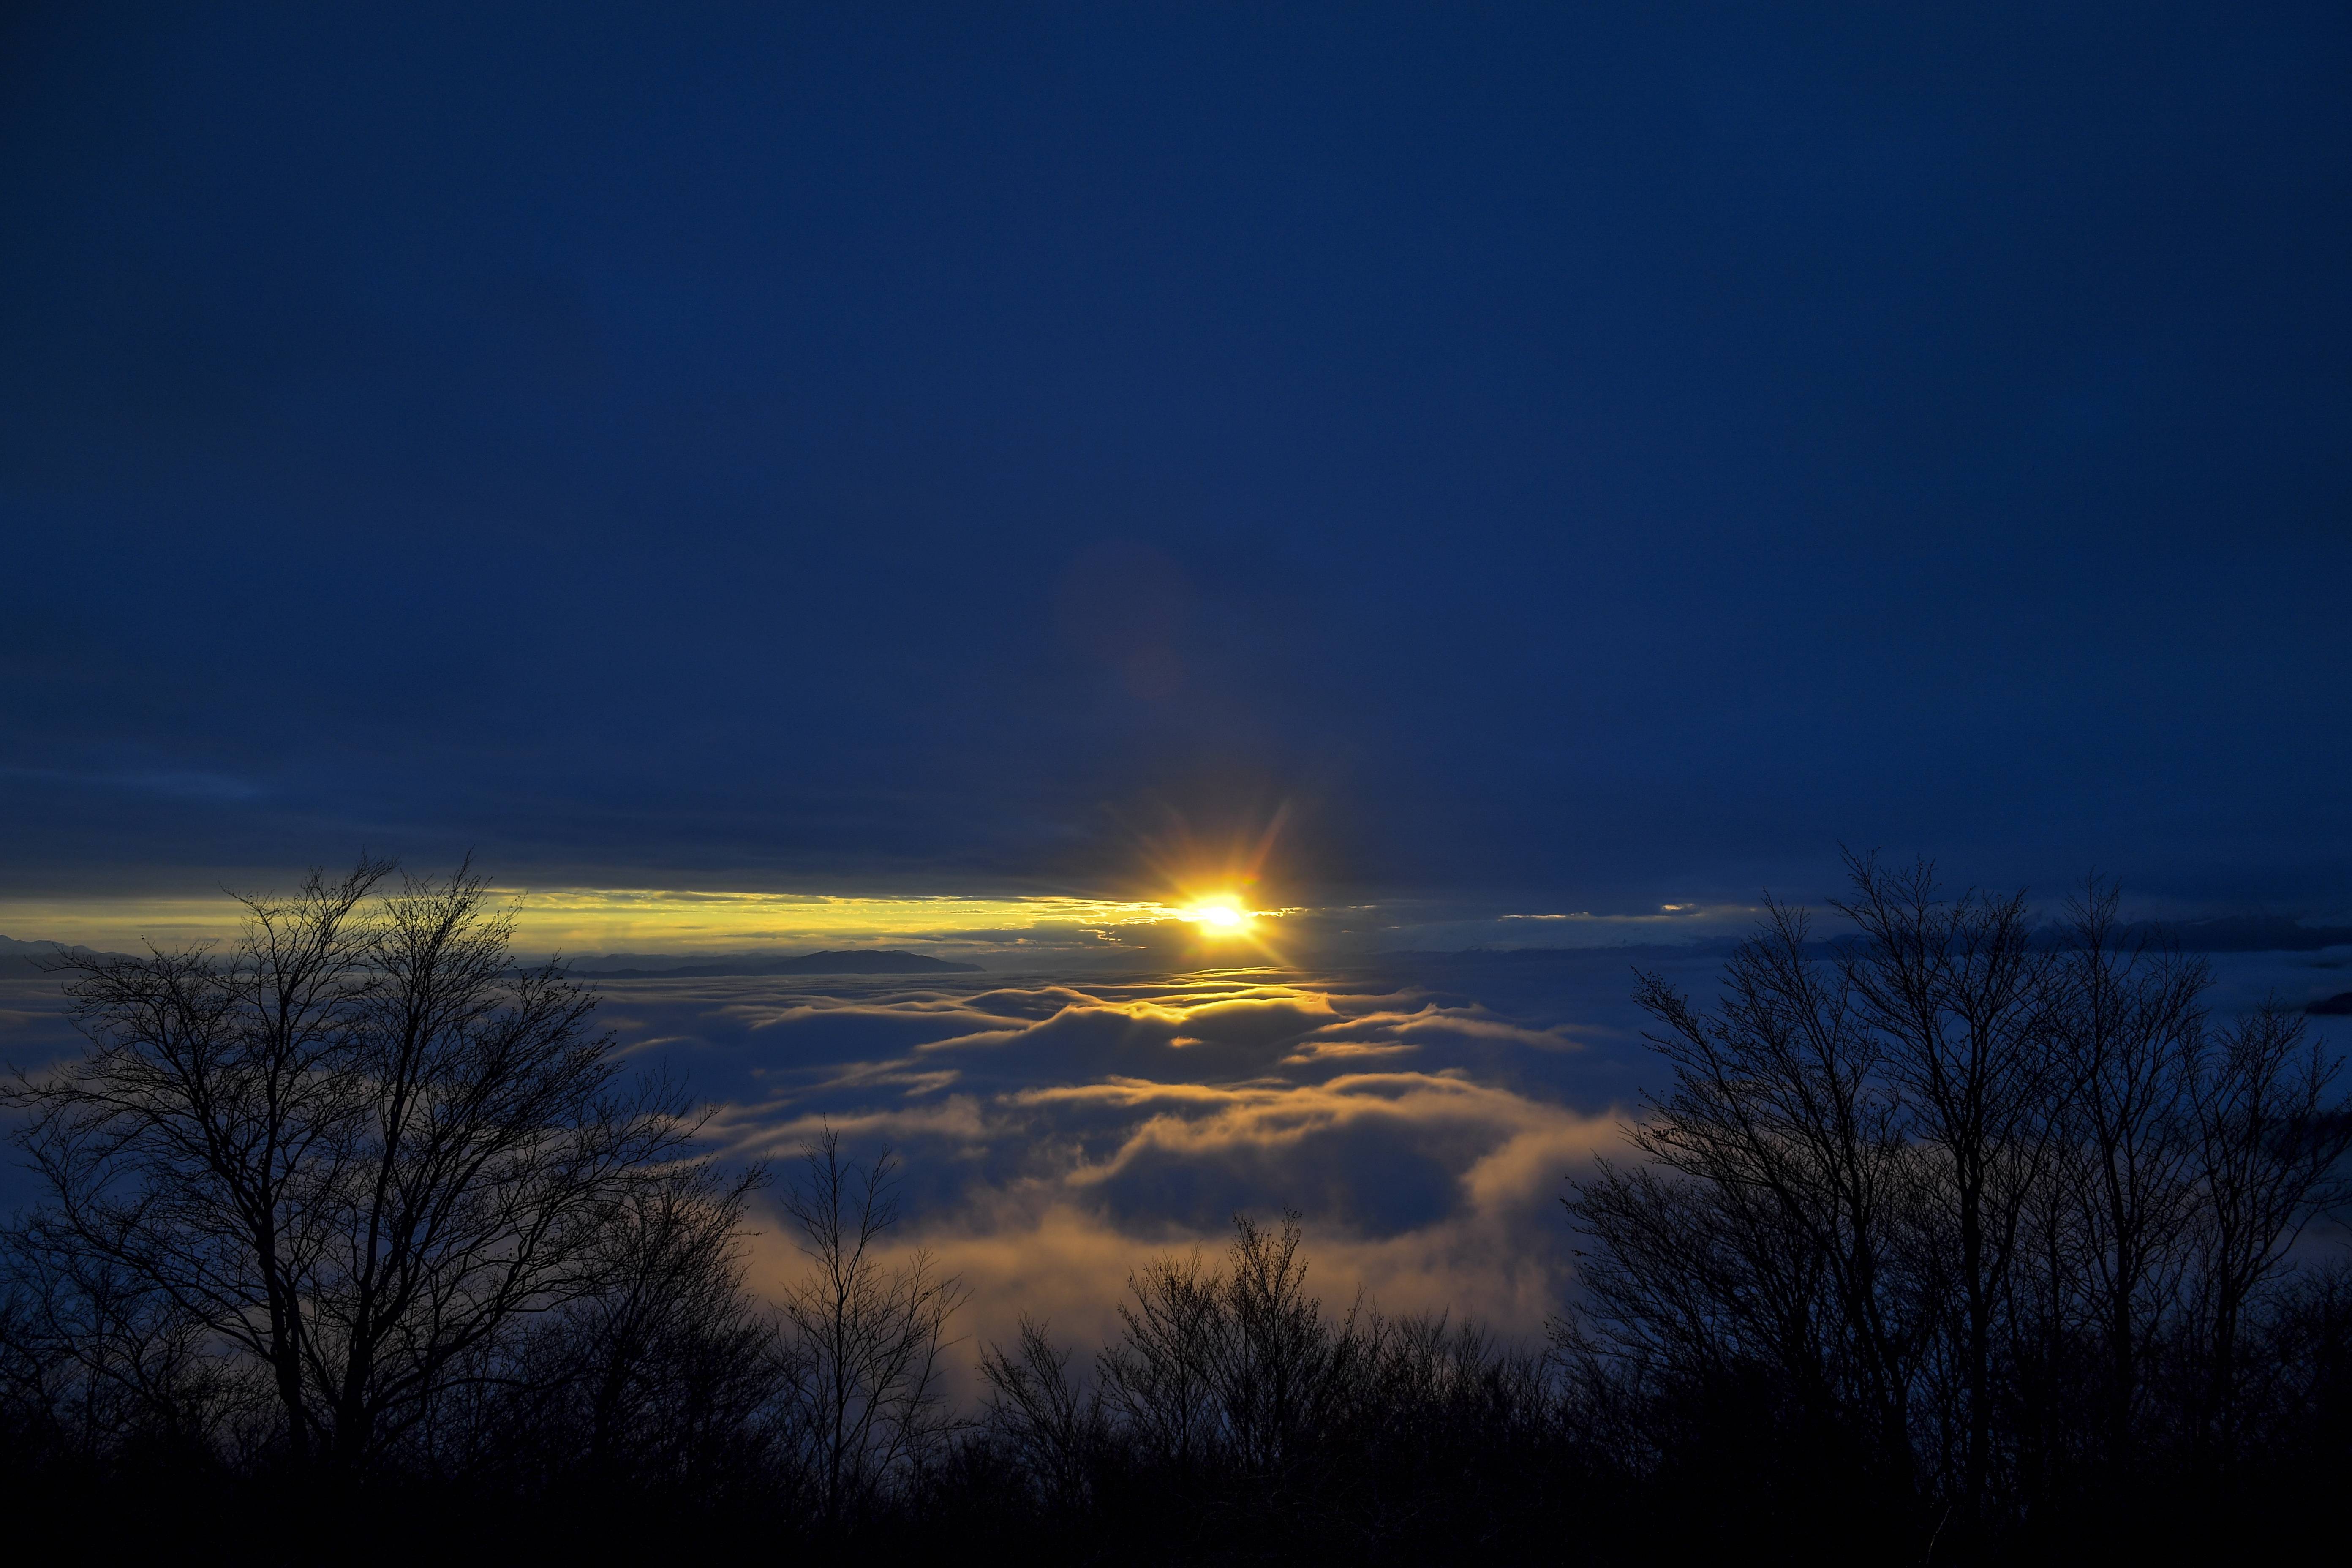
pixel 1059 1129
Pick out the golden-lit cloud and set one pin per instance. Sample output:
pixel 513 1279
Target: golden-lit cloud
pixel 1057 1136
pixel 1195 908
pixel 665 921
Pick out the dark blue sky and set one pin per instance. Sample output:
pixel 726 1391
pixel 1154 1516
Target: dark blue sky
pixel 1594 458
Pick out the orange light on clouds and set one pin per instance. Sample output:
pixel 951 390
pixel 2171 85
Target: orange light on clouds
pixel 1212 887
pixel 1219 917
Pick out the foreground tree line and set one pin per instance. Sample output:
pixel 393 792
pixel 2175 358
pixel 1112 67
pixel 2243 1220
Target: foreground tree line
pixel 1986 1234
pixel 1952 1238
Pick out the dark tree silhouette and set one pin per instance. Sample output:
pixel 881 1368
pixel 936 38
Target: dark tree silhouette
pixel 1232 1419
pixel 1989 1219
pixel 869 1333
pixel 356 1148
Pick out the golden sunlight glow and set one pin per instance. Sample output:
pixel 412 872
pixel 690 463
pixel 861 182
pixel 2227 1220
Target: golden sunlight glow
pixel 587 922
pixel 1219 917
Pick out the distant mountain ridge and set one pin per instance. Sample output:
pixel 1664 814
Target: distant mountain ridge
pixel 847 960
pixel 9 944
pixel 34 957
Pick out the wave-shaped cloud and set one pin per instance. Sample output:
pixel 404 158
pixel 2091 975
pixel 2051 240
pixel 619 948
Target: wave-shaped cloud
pixel 1058 1131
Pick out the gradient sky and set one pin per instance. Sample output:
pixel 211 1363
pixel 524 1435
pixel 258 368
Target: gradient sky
pixel 1533 461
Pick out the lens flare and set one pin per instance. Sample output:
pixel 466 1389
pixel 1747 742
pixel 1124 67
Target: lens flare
pixel 1218 916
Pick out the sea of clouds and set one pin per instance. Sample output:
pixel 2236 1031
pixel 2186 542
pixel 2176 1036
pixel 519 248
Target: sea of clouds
pixel 1423 1116
pixel 1057 1131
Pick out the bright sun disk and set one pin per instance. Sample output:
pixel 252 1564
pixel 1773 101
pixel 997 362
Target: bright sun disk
pixel 1217 915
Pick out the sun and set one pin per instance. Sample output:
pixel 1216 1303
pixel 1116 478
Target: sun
pixel 1218 916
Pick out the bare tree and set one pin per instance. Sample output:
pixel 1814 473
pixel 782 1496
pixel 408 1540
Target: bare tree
pixel 2001 1197
pixel 184 1151
pixel 1056 1431
pixel 101 1360
pixel 1282 1368
pixel 355 1147
pixel 1233 1416
pixel 2129 1019
pixel 668 1378
pixel 1778 1223
pixel 1160 1380
pixel 671 1350
pixel 2270 1148
pixel 1236 1368
pixel 871 1332
pixel 1957 991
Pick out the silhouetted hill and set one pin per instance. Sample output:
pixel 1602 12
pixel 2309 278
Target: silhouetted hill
pixel 2242 934
pixel 34 957
pixel 1613 953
